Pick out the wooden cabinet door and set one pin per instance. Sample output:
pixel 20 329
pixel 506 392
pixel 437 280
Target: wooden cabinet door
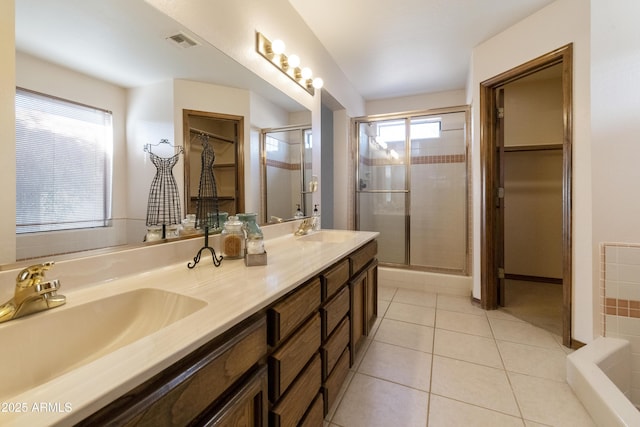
pixel 247 407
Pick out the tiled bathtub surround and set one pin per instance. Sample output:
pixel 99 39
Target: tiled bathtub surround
pixel 620 301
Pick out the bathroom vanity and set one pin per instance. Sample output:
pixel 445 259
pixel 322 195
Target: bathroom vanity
pixel 270 345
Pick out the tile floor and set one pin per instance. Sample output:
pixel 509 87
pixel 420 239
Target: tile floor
pixel 438 360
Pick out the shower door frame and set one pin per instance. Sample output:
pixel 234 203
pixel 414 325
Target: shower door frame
pixel 408 116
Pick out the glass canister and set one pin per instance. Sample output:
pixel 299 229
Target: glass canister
pixel 255 238
pixel 233 239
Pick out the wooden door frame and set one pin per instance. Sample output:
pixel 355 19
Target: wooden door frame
pixel 489 170
pixel 186 128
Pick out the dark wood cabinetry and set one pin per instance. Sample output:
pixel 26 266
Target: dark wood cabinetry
pixel 203 382
pixel 363 287
pixel 283 366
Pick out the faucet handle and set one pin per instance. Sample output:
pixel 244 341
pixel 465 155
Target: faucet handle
pixel 33 275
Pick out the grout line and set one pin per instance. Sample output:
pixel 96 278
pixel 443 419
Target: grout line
pixel 506 373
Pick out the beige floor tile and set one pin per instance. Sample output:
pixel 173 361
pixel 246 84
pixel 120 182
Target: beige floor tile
pixel 408 296
pixel 528 423
pixel 411 313
pixel 371 402
pixel 534 361
pixel 458 303
pixel 463 322
pixel 386 293
pixel 523 333
pixel 475 384
pixel 501 314
pixel 470 348
pixel 445 412
pixel 548 402
pixel 400 365
pixel 410 335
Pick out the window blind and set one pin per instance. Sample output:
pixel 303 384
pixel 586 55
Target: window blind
pixel 63 164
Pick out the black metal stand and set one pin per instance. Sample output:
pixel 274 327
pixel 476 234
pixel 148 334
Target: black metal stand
pixel 196 259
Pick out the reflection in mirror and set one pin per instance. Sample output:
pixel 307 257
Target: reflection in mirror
pixel 287 174
pixel 225 135
pixel 116 55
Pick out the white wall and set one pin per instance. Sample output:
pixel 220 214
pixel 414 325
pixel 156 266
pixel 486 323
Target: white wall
pixel 560 23
pixel 149 119
pixel 615 125
pixel 420 102
pixel 7 133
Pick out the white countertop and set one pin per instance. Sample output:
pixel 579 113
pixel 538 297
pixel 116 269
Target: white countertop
pixel 232 292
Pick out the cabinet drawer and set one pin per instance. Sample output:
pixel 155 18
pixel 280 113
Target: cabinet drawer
pixel 333 279
pixel 315 415
pixel 290 410
pixel 334 347
pixel 286 362
pixel 334 311
pixel 286 315
pixel 362 256
pixel 332 386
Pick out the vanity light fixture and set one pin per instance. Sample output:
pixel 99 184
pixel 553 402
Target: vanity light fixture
pixel 273 51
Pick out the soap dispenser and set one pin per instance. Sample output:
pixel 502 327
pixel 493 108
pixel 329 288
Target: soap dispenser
pixel 299 213
pixel 316 218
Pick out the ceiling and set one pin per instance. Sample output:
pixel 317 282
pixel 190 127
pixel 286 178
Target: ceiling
pixel 386 48
pixel 390 48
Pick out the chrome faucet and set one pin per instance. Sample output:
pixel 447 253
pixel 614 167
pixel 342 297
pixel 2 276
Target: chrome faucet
pixel 32 293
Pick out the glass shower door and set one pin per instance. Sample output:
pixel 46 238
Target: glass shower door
pixel 438 192
pixel 412 188
pixel 382 189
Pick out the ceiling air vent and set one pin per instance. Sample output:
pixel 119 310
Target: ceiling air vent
pixel 182 40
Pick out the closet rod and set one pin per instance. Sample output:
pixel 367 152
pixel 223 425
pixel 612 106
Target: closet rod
pixel 212 135
pixel 544 147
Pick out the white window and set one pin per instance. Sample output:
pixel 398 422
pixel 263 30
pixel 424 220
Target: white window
pixel 63 164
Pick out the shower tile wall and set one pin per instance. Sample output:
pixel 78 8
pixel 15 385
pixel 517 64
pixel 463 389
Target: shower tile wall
pixel 620 301
pixel 438 198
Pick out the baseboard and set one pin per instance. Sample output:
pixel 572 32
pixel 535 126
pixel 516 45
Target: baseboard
pixel 425 281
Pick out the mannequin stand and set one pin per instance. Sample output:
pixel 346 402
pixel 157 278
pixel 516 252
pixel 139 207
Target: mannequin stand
pixel 196 259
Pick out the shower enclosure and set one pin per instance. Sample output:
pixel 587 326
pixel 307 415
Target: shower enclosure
pixel 286 171
pixel 412 184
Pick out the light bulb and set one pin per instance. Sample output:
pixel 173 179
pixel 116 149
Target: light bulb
pixel 306 73
pixel 277 46
pixel 294 61
pixel 318 82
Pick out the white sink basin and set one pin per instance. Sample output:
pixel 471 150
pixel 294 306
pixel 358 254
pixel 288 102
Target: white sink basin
pixel 328 236
pixel 48 344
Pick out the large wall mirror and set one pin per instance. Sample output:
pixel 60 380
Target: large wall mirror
pixel 287 173
pixel 126 45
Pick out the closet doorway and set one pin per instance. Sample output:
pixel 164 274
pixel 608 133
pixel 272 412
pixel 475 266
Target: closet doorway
pixel 225 134
pixel 526 223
